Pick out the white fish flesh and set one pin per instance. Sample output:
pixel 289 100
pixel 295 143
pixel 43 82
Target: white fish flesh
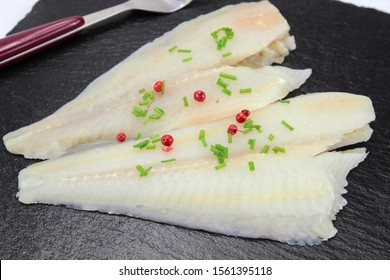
pixel 291 197
pixel 261 37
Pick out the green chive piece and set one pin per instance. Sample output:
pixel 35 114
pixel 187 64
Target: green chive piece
pixel 279 149
pixel 187 59
pixel 155 138
pixel 148 169
pixel 221 83
pixel 144 112
pixel 204 142
pixel 159 111
pixel 265 149
pixel 248 123
pixel 151 146
pixel 246 131
pixel 171 49
pixel 184 50
pixel 155 117
pixel 271 137
pixel 142 90
pixel 137 109
pixel 251 143
pixel 226 91
pixel 285 101
pixel 222 40
pixel 257 127
pixel 227 76
pixel 137 136
pixel 151 95
pixel 143 103
pixel 287 125
pixel 168 160
pixel 145 96
pixel 223 149
pixel 227 54
pixel 141 170
pixel 230 138
pixel 185 101
pixel 251 165
pixel 142 144
pixel 222 165
pixel 202 134
pixel 245 90
pixel 146 120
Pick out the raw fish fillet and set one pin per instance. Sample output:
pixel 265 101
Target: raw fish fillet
pixel 261 37
pixel 290 197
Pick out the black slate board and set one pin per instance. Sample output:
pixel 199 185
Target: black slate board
pixel 347 48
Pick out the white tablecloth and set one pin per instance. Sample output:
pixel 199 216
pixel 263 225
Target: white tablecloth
pixel 12 11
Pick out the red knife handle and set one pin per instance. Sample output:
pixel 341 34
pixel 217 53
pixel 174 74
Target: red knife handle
pixel 25 43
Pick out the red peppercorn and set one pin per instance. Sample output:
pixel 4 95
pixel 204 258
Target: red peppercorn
pixel 158 86
pixel 232 129
pixel 199 95
pixel 167 140
pixel 246 112
pixel 241 117
pixel 121 137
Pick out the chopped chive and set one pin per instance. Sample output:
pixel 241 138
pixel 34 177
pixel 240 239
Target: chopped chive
pixel 265 149
pixel 146 96
pixel 159 111
pixel 226 91
pixel 271 137
pixel 226 54
pixel 144 112
pixel 246 131
pixel 222 165
pixel 146 120
pixel 142 144
pixel 185 101
pixel 204 142
pixel 155 117
pixel 287 125
pixel 155 138
pixel 230 138
pixel 245 90
pixel 187 59
pixel 168 160
pixel 171 49
pixel 202 134
pixel 141 170
pixel 279 149
pixel 251 143
pixel 220 159
pixel 184 50
pixel 227 76
pixel 251 165
pixel 151 95
pixel 151 146
pixel 215 150
pixel 221 83
pixel 143 103
pixel 137 114
pixel 223 149
pixel 285 101
pixel 137 109
pixel 248 123
pixel 142 90
pixel 148 169
pixel 137 136
pixel 257 127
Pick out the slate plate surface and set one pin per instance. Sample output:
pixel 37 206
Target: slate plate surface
pixel 347 48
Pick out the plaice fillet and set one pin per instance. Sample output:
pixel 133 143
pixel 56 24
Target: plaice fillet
pixel 291 197
pixel 261 37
